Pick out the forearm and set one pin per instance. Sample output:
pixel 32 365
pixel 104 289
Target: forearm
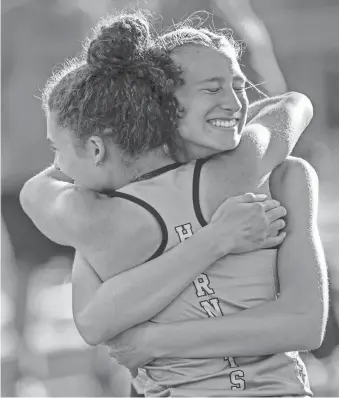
pixel 262 330
pixel 294 322
pixel 146 289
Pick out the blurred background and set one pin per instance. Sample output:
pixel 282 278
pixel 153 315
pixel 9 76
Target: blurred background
pixel 291 45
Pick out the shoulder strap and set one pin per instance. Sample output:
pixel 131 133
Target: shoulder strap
pixel 154 213
pixel 196 187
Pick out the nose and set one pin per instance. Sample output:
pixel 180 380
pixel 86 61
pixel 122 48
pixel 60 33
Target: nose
pixel 55 163
pixel 230 101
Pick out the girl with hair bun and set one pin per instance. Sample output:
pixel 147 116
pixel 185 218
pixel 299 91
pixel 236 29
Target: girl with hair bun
pixel 158 137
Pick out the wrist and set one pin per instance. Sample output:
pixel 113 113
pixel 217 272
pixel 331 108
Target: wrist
pixel 212 241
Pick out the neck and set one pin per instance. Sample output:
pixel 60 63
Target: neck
pixel 189 151
pixel 146 163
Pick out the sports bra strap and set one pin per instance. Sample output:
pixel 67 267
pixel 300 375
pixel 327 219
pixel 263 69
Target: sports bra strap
pixel 196 188
pixel 150 209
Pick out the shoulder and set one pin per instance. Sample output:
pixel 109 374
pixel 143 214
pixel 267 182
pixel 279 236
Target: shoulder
pixel 115 221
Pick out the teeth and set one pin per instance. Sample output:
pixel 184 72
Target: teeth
pixel 223 123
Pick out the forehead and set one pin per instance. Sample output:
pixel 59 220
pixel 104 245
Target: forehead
pixel 203 63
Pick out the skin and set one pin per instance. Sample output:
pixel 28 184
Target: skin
pixel 296 184
pixel 94 164
pixel 252 171
pixel 214 89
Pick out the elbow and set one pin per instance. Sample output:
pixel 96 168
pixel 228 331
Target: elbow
pixel 303 325
pixel 91 333
pixel 90 337
pixel 315 330
pixel 309 332
pixel 304 104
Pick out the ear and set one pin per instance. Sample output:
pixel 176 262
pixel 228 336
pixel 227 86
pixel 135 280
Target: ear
pixel 97 149
pixel 180 112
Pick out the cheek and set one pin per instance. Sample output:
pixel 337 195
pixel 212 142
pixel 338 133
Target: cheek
pixel 196 110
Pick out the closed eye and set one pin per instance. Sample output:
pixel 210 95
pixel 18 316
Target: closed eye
pixel 239 89
pixel 212 90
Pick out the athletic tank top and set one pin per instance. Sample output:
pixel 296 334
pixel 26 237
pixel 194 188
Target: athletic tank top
pixel 233 283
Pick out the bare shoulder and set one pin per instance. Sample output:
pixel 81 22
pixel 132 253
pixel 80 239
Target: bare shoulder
pixel 114 215
pixel 226 175
pixel 118 235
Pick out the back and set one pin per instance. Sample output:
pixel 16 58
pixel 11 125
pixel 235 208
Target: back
pixel 231 284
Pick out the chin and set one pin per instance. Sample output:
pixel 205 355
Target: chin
pixel 230 145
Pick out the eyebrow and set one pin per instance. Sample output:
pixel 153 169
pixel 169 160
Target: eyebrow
pixel 212 79
pixel 237 78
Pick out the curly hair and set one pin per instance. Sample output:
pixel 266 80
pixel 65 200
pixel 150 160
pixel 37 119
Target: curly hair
pixel 121 87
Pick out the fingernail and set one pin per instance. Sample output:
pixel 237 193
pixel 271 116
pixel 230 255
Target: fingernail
pixel 262 196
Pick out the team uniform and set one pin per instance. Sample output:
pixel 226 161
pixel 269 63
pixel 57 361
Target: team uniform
pixel 232 284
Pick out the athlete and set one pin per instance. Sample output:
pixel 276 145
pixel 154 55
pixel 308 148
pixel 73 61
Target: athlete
pixel 92 233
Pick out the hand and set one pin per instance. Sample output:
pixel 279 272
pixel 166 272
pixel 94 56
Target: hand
pixel 130 348
pixel 247 222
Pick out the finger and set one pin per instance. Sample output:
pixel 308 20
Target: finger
pixel 250 197
pixel 271 242
pixel 276 213
pixel 275 227
pixel 270 204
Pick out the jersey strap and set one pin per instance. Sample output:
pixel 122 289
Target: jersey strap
pixel 196 186
pixel 157 172
pixel 155 214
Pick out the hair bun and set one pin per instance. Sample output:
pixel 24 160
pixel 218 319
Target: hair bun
pixel 118 43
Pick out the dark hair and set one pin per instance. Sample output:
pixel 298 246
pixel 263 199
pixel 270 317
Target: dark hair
pixel 122 86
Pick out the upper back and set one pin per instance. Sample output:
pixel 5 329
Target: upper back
pixel 224 176
pixel 129 232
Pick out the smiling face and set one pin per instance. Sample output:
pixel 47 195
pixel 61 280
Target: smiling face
pixel 214 100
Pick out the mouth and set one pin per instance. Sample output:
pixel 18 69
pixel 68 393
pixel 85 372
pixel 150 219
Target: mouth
pixel 224 123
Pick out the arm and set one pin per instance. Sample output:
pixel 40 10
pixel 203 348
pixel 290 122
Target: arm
pixel 49 199
pixel 99 314
pixel 256 107
pixel 296 320
pixel 242 18
pixel 97 307
pixel 270 135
